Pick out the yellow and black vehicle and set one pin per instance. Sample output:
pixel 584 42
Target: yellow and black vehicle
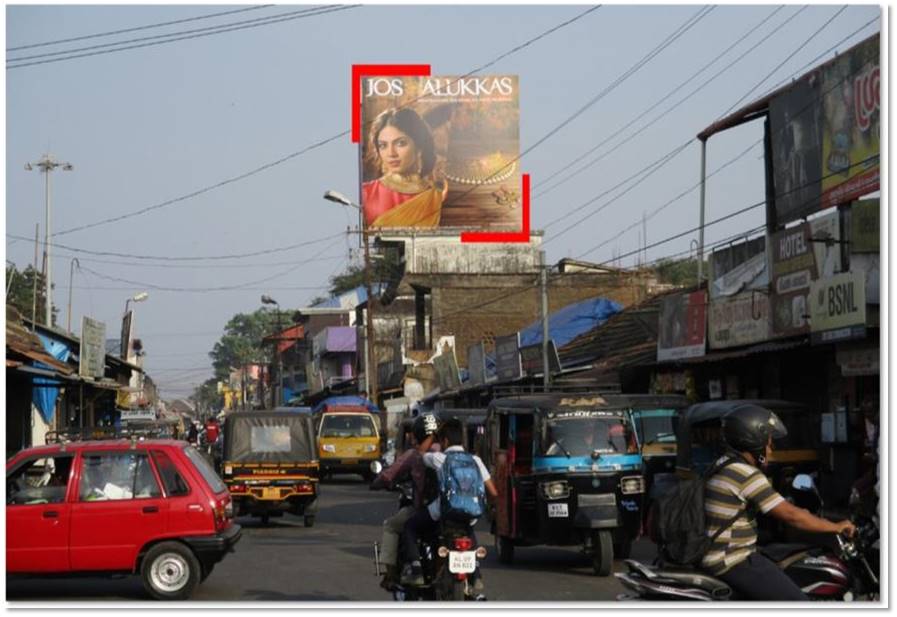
pixel 270 464
pixel 348 438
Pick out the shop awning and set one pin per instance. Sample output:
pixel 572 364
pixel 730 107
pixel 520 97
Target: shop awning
pixel 768 347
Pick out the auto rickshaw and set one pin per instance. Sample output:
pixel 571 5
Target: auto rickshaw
pixel 568 470
pixel 699 443
pixel 474 422
pixel 656 430
pixel 270 464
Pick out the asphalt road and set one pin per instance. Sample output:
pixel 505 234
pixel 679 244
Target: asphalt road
pixel 333 561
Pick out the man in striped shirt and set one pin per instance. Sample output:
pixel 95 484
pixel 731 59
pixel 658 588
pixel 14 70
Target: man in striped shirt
pixel 735 493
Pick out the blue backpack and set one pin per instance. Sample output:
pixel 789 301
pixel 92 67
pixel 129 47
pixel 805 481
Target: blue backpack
pixel 462 493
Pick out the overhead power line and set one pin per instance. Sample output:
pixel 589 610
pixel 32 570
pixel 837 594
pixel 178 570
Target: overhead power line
pixel 192 258
pixel 309 148
pixel 221 30
pixel 669 40
pixel 194 266
pixel 138 28
pixel 647 111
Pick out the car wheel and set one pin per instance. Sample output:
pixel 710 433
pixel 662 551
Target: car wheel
pixel 170 571
pixel 505 549
pixel 308 520
pixel 603 557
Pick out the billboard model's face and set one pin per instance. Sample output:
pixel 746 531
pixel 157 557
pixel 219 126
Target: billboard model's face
pixel 397 151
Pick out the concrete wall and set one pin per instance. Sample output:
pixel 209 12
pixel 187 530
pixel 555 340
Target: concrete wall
pixel 441 252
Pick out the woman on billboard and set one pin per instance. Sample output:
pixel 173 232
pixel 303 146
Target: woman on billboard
pixel 405 195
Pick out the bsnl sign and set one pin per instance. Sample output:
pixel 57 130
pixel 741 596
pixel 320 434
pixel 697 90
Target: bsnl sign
pixel 838 308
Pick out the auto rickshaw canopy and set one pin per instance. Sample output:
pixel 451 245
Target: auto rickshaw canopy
pixel 269 437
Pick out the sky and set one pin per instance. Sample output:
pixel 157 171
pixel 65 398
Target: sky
pixel 161 123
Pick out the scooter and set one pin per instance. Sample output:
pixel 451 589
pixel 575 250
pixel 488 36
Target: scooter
pixel 449 560
pixel 823 574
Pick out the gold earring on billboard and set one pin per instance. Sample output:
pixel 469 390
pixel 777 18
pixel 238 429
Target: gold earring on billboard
pixel 420 162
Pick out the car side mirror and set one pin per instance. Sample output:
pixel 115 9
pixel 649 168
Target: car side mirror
pixel 803 482
pixel 376 466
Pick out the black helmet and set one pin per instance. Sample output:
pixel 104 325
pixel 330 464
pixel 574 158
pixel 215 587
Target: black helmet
pixel 424 425
pixel 748 427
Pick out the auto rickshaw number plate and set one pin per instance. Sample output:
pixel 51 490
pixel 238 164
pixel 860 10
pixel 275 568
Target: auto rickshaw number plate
pixel 271 493
pixel 557 510
pixel 462 562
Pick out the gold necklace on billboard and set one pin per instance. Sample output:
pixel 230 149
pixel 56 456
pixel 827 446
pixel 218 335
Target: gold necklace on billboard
pixel 405 183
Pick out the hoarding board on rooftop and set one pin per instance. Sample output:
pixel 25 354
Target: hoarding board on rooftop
pixel 441 152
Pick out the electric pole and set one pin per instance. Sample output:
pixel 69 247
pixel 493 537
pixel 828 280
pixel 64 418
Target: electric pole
pixel 543 278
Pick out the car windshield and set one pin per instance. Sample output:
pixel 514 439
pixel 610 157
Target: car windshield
pixel 582 436
pixel 657 425
pixel 205 470
pixel 348 425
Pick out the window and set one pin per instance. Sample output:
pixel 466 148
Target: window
pixel 582 436
pixel 117 476
pixel 205 470
pixel 42 480
pixel 269 439
pixel 174 484
pixel 356 425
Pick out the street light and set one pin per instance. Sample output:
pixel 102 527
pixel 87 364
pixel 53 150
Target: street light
pixel 46 165
pixel 278 389
pixel 370 370
pixel 71 279
pixel 138 297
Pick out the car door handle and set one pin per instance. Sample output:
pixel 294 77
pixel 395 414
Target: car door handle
pixel 150 509
pixel 51 514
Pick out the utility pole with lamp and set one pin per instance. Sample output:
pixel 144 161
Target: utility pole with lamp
pixel 46 165
pixel 278 389
pixel 370 369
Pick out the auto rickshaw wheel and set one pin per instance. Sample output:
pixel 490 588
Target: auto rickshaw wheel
pixel 603 553
pixel 505 548
pixel 308 520
pixel 266 518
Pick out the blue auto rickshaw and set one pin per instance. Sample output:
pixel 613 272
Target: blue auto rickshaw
pixel 568 471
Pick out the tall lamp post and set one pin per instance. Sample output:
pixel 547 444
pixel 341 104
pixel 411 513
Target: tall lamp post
pixel 370 370
pixel 138 297
pixel 46 165
pixel 278 389
pixel 72 265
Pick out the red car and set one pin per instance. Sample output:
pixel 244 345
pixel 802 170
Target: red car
pixel 154 508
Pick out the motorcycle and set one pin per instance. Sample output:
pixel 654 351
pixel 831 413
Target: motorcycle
pixel 839 573
pixel 449 560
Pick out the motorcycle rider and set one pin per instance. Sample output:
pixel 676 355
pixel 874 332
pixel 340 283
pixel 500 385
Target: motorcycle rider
pixel 738 490
pixel 425 520
pixel 409 465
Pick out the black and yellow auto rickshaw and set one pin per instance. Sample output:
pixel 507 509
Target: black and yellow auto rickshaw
pixel 699 439
pixel 473 422
pixel 700 443
pixel 270 464
pixel 568 472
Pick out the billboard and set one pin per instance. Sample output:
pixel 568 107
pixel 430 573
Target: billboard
pixel 793 269
pixel 507 357
pixel 447 370
pixel 476 364
pixel 93 348
pixel 682 326
pixel 441 152
pixel 531 359
pixel 736 320
pixel 825 134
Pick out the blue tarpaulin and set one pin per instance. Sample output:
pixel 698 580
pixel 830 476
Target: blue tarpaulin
pixel 333 401
pixel 571 321
pixel 46 390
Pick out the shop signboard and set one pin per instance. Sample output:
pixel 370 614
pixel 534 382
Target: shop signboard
pixel 682 326
pixel 531 358
pixel 507 357
pixel 476 364
pixel 865 226
pixel 793 270
pixel 447 370
pixel 741 319
pixel 855 362
pixel 838 308
pixel 138 415
pixel 441 152
pixel 825 134
pixel 92 362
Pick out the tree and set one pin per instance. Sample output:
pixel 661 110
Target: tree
pixel 21 292
pixel 242 345
pixel 206 396
pixel 385 265
pixel 678 271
